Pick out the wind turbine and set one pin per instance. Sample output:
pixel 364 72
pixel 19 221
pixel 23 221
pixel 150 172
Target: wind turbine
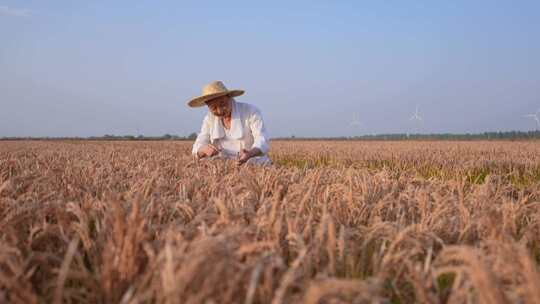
pixel 416 117
pixel 138 130
pixel 535 117
pixel 355 120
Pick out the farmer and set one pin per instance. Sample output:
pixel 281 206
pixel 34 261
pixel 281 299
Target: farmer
pixel 230 129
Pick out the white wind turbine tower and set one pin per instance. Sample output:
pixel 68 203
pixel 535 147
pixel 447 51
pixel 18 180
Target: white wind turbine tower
pixel 535 117
pixel 355 122
pixel 416 117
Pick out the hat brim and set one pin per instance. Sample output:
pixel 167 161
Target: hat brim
pixel 201 100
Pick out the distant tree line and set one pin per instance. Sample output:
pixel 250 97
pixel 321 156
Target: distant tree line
pixel 508 135
pixel 191 136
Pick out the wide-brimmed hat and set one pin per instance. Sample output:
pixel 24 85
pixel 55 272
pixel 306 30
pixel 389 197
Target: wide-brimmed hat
pixel 213 90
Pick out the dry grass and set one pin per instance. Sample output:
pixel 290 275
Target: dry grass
pixel 332 222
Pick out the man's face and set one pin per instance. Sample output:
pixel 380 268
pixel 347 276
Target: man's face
pixel 220 106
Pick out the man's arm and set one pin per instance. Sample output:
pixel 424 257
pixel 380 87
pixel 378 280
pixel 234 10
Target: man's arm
pixel 260 138
pixel 260 135
pixel 203 138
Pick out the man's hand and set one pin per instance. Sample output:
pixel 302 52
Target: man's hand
pixel 207 151
pixel 244 155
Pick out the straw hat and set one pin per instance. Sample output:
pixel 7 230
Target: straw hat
pixel 213 90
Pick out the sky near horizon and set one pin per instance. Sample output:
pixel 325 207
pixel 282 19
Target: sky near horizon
pixel 74 68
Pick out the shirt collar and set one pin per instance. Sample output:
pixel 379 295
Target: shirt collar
pixel 236 131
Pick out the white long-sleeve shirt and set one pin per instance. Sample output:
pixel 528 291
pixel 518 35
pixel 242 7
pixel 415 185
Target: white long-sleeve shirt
pixel 247 131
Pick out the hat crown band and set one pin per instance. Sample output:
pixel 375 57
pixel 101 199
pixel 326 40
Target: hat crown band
pixel 214 87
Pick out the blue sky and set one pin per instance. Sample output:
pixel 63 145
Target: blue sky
pixel 69 68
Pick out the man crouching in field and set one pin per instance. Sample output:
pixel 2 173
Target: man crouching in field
pixel 230 130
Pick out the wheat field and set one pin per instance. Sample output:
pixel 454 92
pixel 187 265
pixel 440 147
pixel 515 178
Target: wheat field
pixel 329 222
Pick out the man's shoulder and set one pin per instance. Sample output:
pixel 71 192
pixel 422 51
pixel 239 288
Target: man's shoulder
pixel 247 108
